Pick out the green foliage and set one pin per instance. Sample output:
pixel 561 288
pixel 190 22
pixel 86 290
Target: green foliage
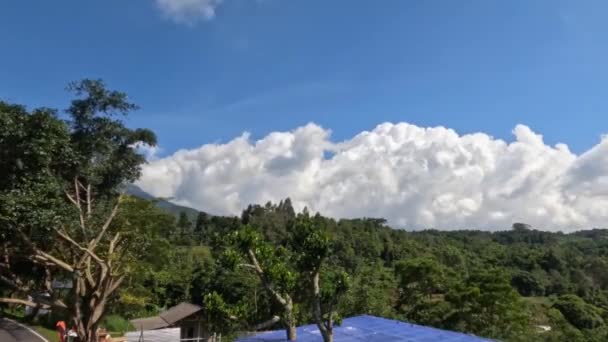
pixel 561 329
pixel 273 260
pixel 311 244
pixel 219 313
pixel 35 151
pixel 486 304
pixel 418 277
pixel 116 323
pixel 103 145
pixel 579 313
pixel 334 285
pixel 465 280
pixel 371 292
pixel 183 230
pixel 527 284
pixel 422 284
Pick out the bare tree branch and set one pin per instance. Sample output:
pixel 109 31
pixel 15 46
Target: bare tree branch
pixel 72 199
pixel 267 323
pixel 40 303
pixel 89 202
pixel 21 301
pixel 116 283
pixel 267 284
pixel 105 226
pixel 77 245
pixel 88 274
pixel 14 283
pixel 79 206
pixel 256 264
pixel 248 266
pixel 113 243
pixel 45 257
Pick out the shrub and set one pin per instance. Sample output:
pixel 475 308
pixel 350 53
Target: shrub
pixel 116 323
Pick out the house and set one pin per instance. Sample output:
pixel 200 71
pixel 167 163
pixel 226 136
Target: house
pixel 369 329
pixel 189 318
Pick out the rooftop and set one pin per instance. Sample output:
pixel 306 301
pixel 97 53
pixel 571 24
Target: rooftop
pixel 167 318
pixel 179 312
pixel 369 329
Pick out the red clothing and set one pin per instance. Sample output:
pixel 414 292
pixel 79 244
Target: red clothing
pixel 61 328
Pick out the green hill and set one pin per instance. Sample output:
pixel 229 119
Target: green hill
pixel 162 203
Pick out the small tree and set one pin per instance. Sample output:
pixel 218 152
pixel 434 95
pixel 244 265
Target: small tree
pixel 313 247
pixel 249 251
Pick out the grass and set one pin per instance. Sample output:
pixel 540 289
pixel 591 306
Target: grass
pixel 539 306
pixel 47 333
pixel 546 301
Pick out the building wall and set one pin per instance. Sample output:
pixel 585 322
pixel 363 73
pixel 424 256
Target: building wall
pixel 193 327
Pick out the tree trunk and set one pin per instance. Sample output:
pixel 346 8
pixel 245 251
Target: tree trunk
pixel 94 277
pixel 290 322
pixel 86 328
pixel 292 335
pixel 93 301
pixel 326 330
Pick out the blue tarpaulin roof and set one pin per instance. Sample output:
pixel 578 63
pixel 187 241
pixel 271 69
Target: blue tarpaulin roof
pixel 369 329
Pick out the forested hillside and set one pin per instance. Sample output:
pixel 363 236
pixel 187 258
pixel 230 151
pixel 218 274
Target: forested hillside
pixel 504 284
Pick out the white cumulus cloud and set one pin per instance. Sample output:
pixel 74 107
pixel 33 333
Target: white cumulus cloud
pixel 188 11
pixel 413 176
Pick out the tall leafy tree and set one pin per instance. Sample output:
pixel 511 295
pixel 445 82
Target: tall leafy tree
pixel 35 151
pixel 486 304
pixel 105 148
pixel 65 184
pixel 422 283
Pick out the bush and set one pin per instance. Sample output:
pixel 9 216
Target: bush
pixel 527 284
pixel 116 323
pixel 579 313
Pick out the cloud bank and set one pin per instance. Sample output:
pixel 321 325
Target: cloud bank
pixel 413 176
pixel 188 11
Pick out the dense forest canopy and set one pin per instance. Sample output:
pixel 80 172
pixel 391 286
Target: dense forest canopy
pixel 509 285
pixel 272 267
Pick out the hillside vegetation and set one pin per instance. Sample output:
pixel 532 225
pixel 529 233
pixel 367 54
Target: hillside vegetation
pixel 503 284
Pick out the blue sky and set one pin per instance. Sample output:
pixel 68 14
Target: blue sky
pixel 348 65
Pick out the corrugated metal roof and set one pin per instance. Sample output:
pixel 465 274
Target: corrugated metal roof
pixel 167 318
pixel 149 323
pixel 369 329
pixel 179 312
